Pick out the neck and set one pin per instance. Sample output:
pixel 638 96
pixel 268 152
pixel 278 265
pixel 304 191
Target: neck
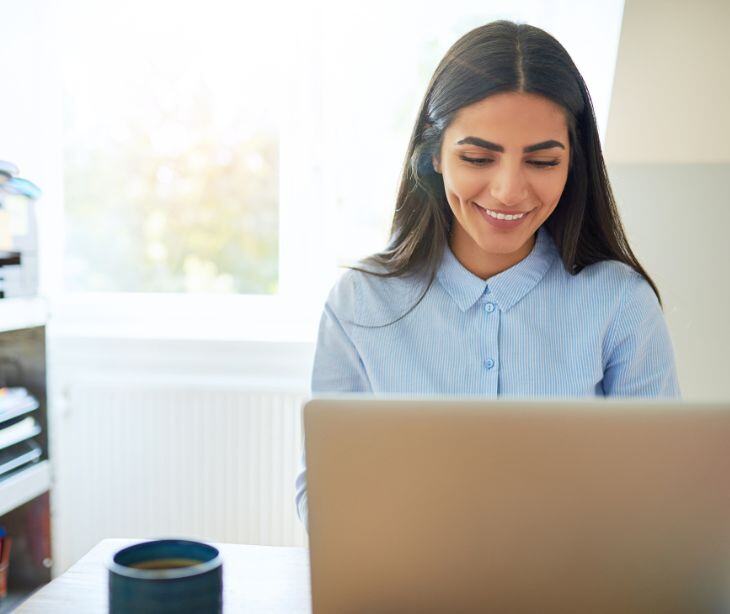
pixel 482 263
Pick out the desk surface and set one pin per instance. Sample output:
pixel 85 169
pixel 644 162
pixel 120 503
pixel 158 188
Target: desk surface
pixel 255 579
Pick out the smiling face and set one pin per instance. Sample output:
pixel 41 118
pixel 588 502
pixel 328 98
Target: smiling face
pixel 509 154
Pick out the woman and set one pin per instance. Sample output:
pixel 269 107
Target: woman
pixel 508 271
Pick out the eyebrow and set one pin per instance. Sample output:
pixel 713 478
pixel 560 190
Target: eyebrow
pixel 475 140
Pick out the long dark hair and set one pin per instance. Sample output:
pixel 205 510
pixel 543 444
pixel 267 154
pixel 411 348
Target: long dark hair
pixel 503 56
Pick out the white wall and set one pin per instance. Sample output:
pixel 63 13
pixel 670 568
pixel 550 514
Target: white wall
pixel 672 84
pixel 668 155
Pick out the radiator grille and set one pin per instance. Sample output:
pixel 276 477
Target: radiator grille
pixel 151 461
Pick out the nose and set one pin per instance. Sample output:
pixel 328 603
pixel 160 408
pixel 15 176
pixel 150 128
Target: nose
pixel 508 185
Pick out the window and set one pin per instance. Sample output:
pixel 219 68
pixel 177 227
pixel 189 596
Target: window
pixel 171 148
pixel 221 162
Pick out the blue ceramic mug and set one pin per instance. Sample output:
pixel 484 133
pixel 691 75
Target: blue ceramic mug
pixel 166 575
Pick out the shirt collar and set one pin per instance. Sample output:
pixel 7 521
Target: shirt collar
pixel 506 288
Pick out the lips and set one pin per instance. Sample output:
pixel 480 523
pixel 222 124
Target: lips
pixel 502 224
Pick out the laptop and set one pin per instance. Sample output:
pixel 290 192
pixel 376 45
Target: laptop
pixel 449 504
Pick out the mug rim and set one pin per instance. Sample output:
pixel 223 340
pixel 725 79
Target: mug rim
pixel 164 574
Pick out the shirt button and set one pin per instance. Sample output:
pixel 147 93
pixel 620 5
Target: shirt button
pixel 489 363
pixel 489 307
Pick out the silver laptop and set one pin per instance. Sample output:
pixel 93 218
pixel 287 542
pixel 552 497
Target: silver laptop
pixel 467 505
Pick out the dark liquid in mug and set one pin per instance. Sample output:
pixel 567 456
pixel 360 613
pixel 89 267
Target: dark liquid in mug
pixel 173 563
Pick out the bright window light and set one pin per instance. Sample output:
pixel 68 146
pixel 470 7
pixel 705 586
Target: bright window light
pixel 221 160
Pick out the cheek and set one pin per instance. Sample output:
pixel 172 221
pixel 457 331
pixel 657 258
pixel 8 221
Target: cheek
pixel 549 189
pixel 463 185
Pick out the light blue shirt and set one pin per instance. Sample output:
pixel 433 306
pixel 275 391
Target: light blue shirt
pixel 532 330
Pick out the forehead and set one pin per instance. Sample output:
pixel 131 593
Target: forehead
pixel 511 117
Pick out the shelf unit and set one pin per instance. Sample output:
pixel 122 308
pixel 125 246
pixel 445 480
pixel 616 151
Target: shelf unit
pixel 22 486
pixel 25 491
pixel 22 313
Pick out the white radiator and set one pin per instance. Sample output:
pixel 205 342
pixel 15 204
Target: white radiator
pixel 149 460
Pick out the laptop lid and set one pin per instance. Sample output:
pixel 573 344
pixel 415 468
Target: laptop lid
pixel 471 505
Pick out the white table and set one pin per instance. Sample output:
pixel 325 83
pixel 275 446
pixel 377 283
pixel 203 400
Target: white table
pixel 255 579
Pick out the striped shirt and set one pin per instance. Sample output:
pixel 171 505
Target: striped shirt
pixel 533 330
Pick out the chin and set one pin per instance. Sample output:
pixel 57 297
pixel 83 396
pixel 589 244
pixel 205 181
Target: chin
pixel 502 242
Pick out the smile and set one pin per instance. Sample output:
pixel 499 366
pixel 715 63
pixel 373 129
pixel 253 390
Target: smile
pixel 502 216
pixel 502 220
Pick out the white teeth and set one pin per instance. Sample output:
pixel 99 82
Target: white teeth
pixel 502 216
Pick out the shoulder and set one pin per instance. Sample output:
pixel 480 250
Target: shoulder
pixel 371 299
pixel 617 279
pixel 609 291
pixel 342 296
pixel 633 306
pixel 603 277
pixel 612 273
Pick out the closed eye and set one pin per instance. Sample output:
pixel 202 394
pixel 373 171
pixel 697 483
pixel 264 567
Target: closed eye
pixel 486 161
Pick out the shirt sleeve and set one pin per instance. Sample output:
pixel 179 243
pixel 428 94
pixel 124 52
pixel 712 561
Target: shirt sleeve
pixel 337 364
pixel 639 357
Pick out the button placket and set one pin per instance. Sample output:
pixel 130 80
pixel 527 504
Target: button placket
pixel 490 321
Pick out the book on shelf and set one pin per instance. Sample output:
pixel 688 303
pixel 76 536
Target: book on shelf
pixel 16 402
pixel 16 446
pixel 19 454
pixel 17 431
